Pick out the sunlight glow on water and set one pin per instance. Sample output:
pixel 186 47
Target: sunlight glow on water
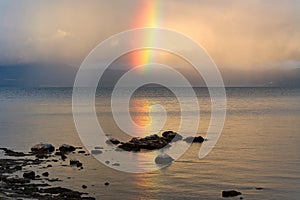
pixel 259 146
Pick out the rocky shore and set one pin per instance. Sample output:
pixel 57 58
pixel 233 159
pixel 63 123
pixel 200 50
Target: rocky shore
pixel 17 182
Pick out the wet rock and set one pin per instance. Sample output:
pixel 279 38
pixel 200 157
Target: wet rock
pixel 54 190
pixel 113 141
pixel 66 148
pixel 230 193
pixel 45 174
pixel 42 148
pixel 76 163
pixel 129 147
pixel 15 180
pixel 9 152
pixel 29 174
pixel 63 157
pixel 81 151
pixel 163 159
pixel 152 142
pixel 198 139
pixel 172 136
pixel 53 179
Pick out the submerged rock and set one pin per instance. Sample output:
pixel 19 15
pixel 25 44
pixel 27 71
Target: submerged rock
pixel 163 159
pixel 96 152
pixel 230 193
pixel 42 148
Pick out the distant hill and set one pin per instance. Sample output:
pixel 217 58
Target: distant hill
pixel 39 75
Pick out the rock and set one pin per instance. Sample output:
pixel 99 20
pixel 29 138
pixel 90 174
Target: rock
pixel 106 183
pixel 54 190
pixel 45 174
pixel 130 147
pixel 198 139
pixel 29 174
pixel 116 164
pixel 9 152
pixel 172 136
pixel 96 152
pixel 63 157
pixel 163 159
pixel 112 141
pixel 75 162
pixel 230 193
pixel 259 188
pixel 81 151
pixel 66 148
pixel 42 148
pixel 84 186
pixel 134 140
pixel 15 180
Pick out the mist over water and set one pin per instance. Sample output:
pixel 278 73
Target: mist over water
pixel 259 145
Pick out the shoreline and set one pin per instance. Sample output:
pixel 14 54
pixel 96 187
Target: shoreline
pixel 17 181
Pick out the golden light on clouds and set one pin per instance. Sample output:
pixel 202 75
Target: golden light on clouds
pixel 237 34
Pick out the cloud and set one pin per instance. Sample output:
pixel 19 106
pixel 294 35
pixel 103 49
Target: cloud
pixel 61 34
pixel 237 34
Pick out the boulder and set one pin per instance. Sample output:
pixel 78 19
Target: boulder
pixel 42 148
pixel 113 141
pixel 230 193
pixel 66 148
pixel 171 136
pixel 75 162
pixel 163 159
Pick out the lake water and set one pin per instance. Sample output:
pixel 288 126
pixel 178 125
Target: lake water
pixel 259 145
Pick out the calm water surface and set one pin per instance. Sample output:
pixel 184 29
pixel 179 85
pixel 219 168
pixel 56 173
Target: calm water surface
pixel 259 145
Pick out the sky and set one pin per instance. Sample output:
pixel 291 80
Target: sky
pixel 56 35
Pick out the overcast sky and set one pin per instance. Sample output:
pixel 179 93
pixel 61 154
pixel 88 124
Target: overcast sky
pixel 241 35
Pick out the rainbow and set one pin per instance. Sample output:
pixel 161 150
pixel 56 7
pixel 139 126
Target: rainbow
pixel 148 16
